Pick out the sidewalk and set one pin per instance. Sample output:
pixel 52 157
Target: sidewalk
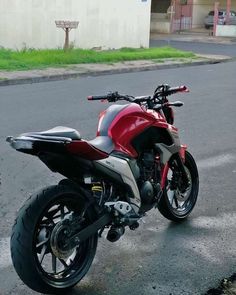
pixel 203 36
pixel 85 70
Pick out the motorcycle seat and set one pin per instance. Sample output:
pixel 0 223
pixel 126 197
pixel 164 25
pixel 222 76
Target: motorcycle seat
pixel 102 143
pixel 59 131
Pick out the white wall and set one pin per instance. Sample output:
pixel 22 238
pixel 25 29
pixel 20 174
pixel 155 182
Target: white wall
pixel 226 31
pixel 200 10
pixel 160 23
pixel 103 23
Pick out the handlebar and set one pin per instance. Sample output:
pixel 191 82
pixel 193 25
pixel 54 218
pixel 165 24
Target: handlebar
pixel 97 97
pixel 111 97
pixel 173 90
pixel 165 90
pixel 160 96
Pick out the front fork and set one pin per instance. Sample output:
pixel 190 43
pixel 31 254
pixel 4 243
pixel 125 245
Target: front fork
pixel 180 159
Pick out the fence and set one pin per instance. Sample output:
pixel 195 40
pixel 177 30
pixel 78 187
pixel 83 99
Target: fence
pixel 182 15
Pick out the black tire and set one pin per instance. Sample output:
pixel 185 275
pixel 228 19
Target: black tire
pixel 32 228
pixel 166 206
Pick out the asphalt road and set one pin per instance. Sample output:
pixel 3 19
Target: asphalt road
pixel 160 257
pixel 198 47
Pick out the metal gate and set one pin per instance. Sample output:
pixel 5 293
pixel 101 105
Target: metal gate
pixel 181 15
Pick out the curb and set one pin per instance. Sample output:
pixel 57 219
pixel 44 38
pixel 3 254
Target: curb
pixel 186 40
pixel 59 77
pixel 194 37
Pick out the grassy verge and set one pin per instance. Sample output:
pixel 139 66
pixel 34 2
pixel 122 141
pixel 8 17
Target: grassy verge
pixel 35 59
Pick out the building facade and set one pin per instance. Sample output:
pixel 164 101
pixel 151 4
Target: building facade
pixel 105 24
pixel 102 23
pixel 176 15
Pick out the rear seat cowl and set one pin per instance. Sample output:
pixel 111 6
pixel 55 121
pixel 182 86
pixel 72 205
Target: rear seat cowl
pixel 59 131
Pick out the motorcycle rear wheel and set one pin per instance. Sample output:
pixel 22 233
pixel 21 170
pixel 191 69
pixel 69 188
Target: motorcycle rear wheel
pixel 37 248
pixel 177 206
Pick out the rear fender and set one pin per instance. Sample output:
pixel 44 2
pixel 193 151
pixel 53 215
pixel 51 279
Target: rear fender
pixel 67 165
pixel 34 145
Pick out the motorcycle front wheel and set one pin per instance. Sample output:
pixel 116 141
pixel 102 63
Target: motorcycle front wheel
pixel 40 253
pixel 174 204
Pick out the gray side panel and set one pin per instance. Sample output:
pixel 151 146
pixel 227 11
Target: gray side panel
pixel 122 167
pixel 166 151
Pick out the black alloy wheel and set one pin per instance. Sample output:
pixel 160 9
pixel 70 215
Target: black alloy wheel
pixel 175 204
pixel 40 238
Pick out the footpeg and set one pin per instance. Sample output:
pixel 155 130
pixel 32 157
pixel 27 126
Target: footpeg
pixel 122 207
pixel 134 226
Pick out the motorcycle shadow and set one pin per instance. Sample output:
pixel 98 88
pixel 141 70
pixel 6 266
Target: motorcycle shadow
pixel 165 257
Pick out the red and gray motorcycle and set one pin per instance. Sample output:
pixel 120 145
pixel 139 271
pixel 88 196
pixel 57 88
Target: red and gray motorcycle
pixel 135 163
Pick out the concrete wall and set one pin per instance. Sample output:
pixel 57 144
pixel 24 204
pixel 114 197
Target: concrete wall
pixel 160 23
pixel 226 31
pixel 202 7
pixel 103 23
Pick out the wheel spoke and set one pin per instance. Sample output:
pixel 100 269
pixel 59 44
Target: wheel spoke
pixel 60 215
pixel 171 198
pixel 168 185
pixel 62 211
pixel 54 263
pixel 63 262
pixel 42 243
pixel 49 219
pixel 50 214
pixel 42 254
pixel 45 225
pixel 176 201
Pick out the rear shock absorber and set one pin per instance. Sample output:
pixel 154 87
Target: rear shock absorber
pixel 97 191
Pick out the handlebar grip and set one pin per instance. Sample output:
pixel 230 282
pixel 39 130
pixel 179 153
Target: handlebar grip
pixel 175 104
pixel 183 88
pixel 177 89
pixel 97 97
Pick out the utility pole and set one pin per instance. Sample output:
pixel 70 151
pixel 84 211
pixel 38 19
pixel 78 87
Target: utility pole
pixel 228 12
pixel 216 16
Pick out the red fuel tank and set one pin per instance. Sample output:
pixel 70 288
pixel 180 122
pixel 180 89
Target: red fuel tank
pixel 124 123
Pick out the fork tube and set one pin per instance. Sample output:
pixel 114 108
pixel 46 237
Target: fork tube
pixel 164 172
pixel 181 167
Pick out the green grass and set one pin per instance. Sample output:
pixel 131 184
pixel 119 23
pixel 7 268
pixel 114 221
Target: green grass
pixel 28 59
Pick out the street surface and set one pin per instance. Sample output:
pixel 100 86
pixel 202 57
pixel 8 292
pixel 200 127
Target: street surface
pixel 160 257
pixel 197 47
